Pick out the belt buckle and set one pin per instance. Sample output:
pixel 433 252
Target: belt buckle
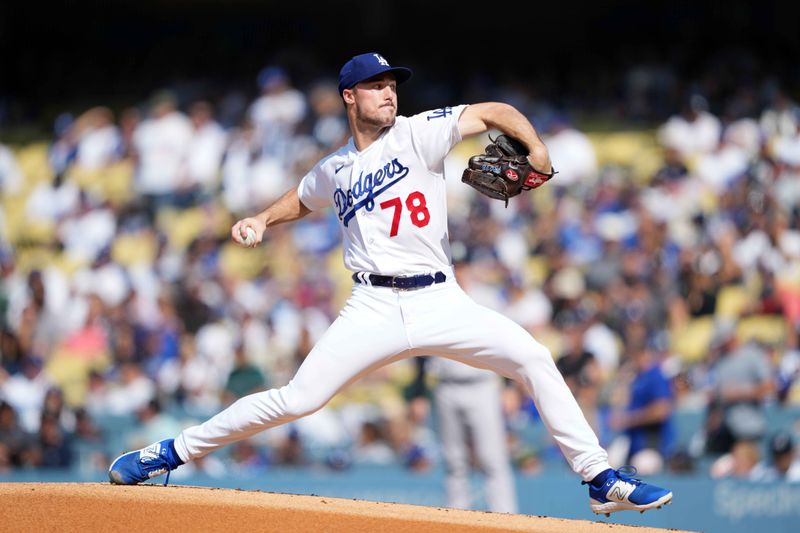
pixel 414 282
pixel 396 287
pixel 411 283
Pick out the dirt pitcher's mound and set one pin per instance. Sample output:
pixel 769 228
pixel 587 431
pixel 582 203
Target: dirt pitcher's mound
pixel 153 508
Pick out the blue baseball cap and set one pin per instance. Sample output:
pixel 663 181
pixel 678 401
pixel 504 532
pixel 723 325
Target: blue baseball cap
pixel 363 67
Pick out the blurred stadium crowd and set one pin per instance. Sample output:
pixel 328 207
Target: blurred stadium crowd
pixel 662 268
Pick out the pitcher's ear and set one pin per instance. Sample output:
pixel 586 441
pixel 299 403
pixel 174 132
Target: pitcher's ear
pixel 349 97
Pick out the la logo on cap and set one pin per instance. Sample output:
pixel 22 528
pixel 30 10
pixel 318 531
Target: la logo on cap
pixel 381 60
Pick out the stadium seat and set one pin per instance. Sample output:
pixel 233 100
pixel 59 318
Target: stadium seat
pixel 691 341
pixel 731 301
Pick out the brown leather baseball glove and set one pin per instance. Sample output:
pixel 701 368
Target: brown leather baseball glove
pixel 503 170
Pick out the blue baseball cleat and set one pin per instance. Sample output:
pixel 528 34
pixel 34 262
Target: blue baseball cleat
pixel 622 492
pixel 135 467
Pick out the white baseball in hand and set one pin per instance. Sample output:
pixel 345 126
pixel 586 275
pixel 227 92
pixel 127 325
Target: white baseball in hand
pixel 249 238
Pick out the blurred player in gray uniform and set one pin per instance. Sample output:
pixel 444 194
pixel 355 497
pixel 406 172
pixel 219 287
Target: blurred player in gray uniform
pixel 469 412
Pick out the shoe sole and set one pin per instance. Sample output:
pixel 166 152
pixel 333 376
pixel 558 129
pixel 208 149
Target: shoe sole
pixel 612 507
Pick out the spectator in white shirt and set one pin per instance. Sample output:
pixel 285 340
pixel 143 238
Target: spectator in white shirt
pixel 25 392
pixel 574 152
pixel 204 155
pixel 785 150
pixel 692 133
pixel 781 117
pixel 277 112
pixel 161 144
pixel 11 177
pixel 132 392
pixel 87 230
pixel 99 141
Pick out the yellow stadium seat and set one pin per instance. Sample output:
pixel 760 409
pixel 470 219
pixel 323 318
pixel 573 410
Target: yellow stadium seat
pixel 89 179
pixel 552 339
pixel 340 275
pixel 543 200
pixel 33 257
pixel 709 201
pixel 118 183
pixel 536 270
pixel 769 329
pixel 731 301
pixel 32 161
pixel 469 147
pixel 241 263
pixel 181 226
pixel 14 219
pixel 637 150
pixel 70 371
pixel 691 341
pixel 134 249
pixel 39 231
pixel 113 182
pixel 67 264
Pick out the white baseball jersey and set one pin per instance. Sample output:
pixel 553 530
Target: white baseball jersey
pixel 391 198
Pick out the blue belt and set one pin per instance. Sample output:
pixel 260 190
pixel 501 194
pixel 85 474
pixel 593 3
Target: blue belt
pixel 402 283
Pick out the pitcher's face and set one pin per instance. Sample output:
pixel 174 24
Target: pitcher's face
pixel 375 100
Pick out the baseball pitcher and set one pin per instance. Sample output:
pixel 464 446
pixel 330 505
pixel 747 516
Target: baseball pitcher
pixel 387 188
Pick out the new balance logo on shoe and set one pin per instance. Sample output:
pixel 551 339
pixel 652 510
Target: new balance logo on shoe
pixel 150 453
pixel 620 491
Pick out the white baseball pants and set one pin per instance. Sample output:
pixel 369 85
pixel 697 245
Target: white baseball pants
pixel 378 326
